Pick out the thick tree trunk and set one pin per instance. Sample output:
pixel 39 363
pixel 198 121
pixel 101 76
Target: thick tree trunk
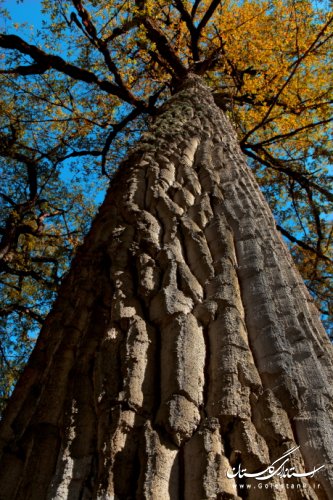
pixel 183 342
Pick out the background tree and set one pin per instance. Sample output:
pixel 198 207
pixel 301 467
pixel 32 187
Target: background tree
pixel 42 223
pixel 266 63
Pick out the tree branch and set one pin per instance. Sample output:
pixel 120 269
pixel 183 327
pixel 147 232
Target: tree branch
pixel 48 61
pixel 279 137
pixel 25 310
pixel 195 8
pixel 102 47
pixel 8 199
pixel 121 30
pixel 208 14
pixel 293 68
pixel 116 128
pixel 301 243
pixel 157 36
pixel 76 154
pixel 32 69
pixel 275 164
pixel 186 17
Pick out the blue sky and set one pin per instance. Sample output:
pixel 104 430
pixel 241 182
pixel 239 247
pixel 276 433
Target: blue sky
pixel 27 11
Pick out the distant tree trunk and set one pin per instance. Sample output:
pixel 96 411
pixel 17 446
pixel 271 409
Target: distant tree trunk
pixel 183 341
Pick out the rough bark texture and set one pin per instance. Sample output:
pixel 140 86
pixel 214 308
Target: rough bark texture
pixel 183 342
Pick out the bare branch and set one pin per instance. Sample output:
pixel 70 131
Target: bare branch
pixel 279 137
pixel 195 8
pixel 208 14
pixel 23 309
pixel 48 61
pixel 76 154
pixel 8 199
pixel 102 47
pixel 32 69
pixel 271 162
pixel 301 243
pixel 116 128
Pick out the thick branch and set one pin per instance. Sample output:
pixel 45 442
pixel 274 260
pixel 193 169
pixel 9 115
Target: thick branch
pixel 186 17
pixel 201 67
pixel 77 154
pixel 208 14
pixel 194 8
pixel 32 69
pixel 157 36
pixel 48 61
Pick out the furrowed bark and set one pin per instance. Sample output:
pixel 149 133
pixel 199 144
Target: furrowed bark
pixel 183 342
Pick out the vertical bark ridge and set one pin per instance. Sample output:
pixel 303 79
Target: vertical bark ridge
pixel 290 354
pixel 183 342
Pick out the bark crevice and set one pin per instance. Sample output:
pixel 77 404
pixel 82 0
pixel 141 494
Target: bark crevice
pixel 183 342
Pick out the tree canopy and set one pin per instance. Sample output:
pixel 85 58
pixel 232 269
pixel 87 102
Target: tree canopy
pixel 77 93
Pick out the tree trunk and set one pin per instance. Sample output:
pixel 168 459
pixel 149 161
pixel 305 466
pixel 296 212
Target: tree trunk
pixel 183 342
